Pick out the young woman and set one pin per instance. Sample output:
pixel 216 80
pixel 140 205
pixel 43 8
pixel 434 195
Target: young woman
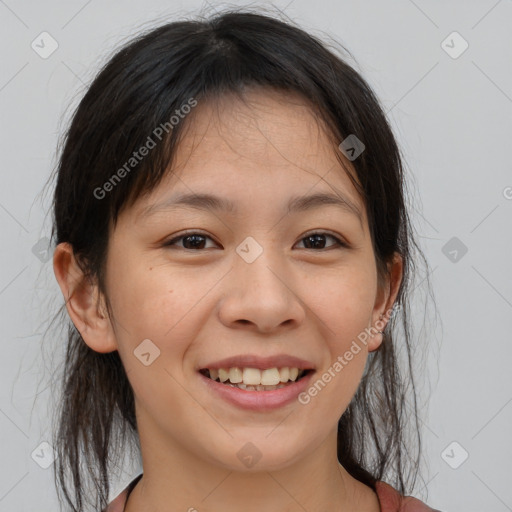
pixel 234 250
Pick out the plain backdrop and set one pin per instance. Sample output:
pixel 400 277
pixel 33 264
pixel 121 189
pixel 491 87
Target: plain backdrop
pixel 443 73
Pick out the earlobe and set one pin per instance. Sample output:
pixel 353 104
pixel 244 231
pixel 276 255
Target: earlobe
pixel 376 337
pixel 84 302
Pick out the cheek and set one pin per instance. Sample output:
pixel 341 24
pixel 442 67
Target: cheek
pixel 153 328
pixel 344 302
pixel 157 303
pixel 344 312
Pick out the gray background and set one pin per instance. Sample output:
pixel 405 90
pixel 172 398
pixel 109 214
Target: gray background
pixel 452 115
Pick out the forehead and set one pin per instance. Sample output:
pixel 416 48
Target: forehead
pixel 268 144
pixel 265 127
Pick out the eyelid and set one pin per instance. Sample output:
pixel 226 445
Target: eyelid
pixel 340 241
pixel 324 232
pixel 189 232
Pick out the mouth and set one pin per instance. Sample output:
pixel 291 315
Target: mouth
pixel 254 379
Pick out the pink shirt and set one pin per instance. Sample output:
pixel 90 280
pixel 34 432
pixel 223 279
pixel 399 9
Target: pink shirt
pixel 390 500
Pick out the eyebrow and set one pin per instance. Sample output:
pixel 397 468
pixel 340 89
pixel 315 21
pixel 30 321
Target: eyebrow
pixel 209 202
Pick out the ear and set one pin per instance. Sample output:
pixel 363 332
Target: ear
pixel 84 302
pixel 385 299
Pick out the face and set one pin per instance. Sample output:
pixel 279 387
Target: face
pixel 252 280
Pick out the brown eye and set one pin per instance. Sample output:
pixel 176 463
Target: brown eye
pixel 191 241
pixel 195 241
pixel 317 241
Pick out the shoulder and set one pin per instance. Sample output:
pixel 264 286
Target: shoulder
pixel 392 501
pixel 118 504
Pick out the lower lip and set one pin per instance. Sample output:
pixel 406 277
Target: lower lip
pixel 258 400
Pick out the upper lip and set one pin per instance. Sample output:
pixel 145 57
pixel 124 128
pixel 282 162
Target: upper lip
pixel 262 363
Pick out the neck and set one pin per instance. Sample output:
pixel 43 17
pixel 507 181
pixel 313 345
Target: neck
pixel 315 482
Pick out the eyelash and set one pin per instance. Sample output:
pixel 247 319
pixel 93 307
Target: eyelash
pixel 340 243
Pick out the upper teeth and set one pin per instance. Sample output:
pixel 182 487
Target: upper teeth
pixel 255 376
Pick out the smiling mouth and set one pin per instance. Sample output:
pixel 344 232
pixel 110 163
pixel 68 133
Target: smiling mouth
pixel 253 379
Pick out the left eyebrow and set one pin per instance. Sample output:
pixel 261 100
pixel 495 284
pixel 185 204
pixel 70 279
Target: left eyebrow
pixel 209 202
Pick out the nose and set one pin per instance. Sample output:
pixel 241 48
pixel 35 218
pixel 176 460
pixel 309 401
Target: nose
pixel 261 295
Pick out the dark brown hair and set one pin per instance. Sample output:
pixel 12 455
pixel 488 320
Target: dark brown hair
pixel 139 89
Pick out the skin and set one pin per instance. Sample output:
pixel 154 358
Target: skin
pixel 201 305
